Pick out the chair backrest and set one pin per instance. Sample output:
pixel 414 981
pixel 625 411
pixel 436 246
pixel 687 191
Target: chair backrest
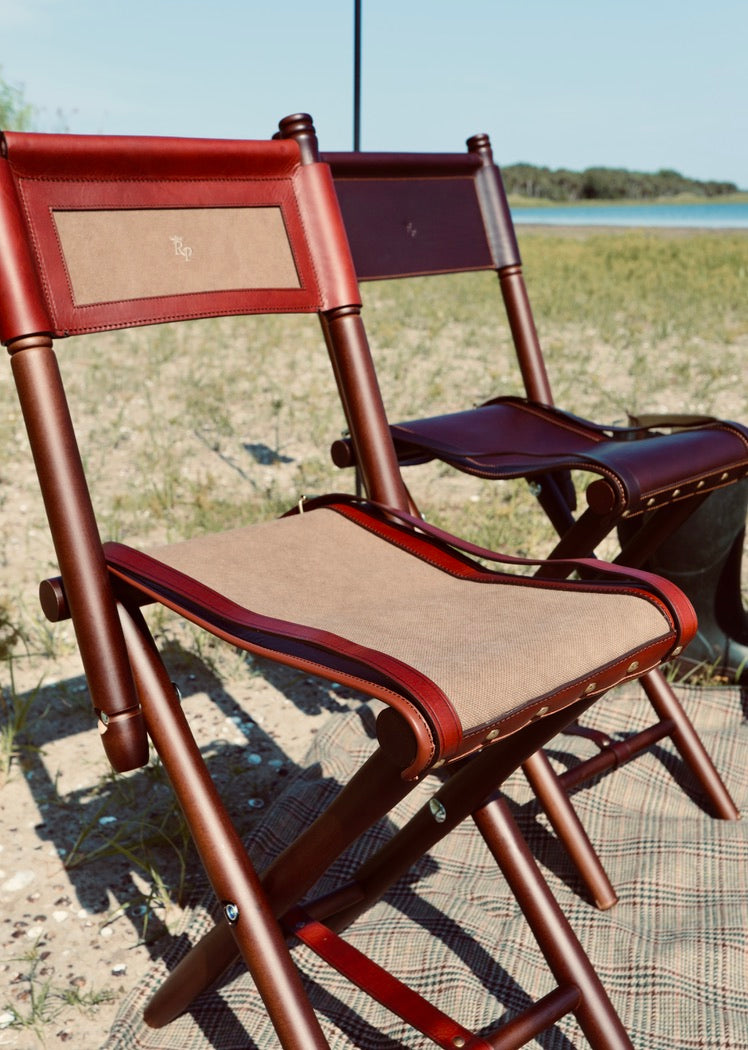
pixel 107 232
pixel 100 233
pixel 410 214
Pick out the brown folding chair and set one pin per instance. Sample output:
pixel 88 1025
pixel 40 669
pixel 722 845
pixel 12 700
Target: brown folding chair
pixel 423 214
pixel 476 667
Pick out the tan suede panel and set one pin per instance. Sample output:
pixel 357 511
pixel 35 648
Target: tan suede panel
pixel 491 648
pixel 173 251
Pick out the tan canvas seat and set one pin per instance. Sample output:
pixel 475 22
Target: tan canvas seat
pixel 411 214
pixel 477 663
pixel 459 645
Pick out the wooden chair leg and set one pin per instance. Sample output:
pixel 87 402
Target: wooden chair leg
pixel 664 701
pixel 374 790
pixel 565 822
pixel 556 939
pixel 197 971
pixel 552 789
pixel 462 792
pixel 252 925
pixel 673 723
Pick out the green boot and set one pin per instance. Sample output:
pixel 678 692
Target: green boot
pixel 704 558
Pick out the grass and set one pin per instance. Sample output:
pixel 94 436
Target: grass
pixel 43 1000
pixel 15 731
pixel 143 834
pixel 642 285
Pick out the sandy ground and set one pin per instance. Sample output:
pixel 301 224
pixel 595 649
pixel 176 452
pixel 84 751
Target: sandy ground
pixel 74 940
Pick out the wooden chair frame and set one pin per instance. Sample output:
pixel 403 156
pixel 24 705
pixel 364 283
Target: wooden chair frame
pixel 60 199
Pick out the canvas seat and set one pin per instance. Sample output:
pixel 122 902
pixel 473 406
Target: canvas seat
pixel 409 214
pixel 492 657
pixel 475 662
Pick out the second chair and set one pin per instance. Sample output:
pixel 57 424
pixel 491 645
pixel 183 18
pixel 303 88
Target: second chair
pixel 417 214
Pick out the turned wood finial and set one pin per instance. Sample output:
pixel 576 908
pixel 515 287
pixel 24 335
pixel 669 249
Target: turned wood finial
pixel 480 144
pixel 300 126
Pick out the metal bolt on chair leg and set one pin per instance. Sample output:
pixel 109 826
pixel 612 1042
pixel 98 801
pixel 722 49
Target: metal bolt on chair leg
pixel 438 812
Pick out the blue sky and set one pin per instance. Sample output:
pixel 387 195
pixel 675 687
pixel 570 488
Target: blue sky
pixel 564 83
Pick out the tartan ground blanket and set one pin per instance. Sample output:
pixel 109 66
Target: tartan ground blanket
pixel 673 953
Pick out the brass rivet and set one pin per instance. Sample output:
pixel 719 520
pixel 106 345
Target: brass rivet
pixel 591 688
pixel 492 734
pixel 701 484
pixel 725 476
pixel 458 1041
pixel 541 711
pixel 677 651
pixel 651 501
pixel 633 666
pixel 676 493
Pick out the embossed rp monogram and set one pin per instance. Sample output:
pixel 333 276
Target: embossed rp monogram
pixel 180 248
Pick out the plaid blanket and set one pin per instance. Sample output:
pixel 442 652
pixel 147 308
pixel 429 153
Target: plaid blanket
pixel 673 953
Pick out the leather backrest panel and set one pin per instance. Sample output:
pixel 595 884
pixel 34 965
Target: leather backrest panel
pixel 127 231
pixel 407 227
pixel 408 213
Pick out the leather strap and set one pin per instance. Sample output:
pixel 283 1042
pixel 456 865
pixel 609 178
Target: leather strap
pixel 381 985
pixel 639 426
pixel 671 596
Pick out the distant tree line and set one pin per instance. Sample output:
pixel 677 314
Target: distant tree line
pixel 527 180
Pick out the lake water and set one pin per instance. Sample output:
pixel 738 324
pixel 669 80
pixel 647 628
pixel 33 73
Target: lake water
pixel 714 215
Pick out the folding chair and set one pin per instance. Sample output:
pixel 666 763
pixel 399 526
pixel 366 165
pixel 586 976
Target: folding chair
pixel 423 214
pixel 476 667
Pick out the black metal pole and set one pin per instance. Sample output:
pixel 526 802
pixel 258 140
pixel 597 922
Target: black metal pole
pixel 357 75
